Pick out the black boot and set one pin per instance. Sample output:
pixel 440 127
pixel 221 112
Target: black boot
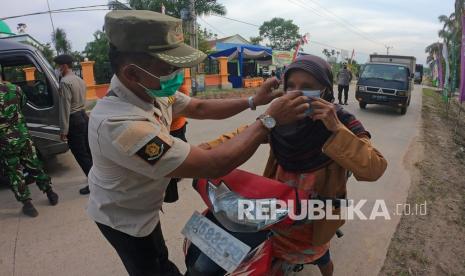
pixel 85 190
pixel 29 209
pixel 52 197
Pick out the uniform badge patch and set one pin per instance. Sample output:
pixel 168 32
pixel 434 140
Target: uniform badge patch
pixel 154 150
pixel 171 100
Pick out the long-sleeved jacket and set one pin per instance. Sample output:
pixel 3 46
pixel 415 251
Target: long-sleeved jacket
pixel 349 153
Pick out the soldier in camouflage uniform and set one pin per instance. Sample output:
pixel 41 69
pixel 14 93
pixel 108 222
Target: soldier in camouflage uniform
pixel 17 152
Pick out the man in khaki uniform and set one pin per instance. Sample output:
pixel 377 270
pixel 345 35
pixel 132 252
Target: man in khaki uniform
pixel 134 155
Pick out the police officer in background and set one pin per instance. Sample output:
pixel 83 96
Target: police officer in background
pixel 133 152
pixel 73 118
pixel 344 77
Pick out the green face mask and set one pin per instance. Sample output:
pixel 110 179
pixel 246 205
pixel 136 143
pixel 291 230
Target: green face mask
pixel 169 84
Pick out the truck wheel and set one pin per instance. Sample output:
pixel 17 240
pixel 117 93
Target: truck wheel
pixel 403 110
pixel 363 105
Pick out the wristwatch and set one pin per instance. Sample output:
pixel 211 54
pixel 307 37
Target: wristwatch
pixel 267 121
pixel 251 103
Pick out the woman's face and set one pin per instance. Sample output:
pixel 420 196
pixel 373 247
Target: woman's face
pixel 301 80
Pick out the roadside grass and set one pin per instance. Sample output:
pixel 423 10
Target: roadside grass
pixel 433 244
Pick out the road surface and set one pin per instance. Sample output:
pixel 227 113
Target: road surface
pixel 64 241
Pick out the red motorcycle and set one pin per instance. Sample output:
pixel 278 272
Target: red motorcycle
pixel 222 242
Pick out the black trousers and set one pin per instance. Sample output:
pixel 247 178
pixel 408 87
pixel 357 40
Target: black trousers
pixel 344 88
pixel 171 193
pixel 78 140
pixel 146 256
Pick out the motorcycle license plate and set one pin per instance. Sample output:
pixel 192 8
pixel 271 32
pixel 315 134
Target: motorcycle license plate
pixel 220 246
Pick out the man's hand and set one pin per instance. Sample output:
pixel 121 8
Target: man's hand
pixel 288 108
pixel 63 137
pixel 326 112
pixel 265 93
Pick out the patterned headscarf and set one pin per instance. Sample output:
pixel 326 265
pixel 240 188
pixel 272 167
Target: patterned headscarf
pixel 298 147
pixel 318 68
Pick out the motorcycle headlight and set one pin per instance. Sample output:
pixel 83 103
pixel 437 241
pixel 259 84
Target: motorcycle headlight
pixel 361 88
pixel 227 208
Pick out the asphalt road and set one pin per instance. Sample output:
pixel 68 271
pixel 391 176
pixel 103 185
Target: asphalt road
pixel 64 241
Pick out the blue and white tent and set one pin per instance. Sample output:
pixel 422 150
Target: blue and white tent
pixel 242 52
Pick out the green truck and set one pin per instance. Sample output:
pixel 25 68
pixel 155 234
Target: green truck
pixel 386 80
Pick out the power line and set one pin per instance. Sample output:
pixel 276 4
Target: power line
pixel 255 25
pixel 80 8
pixel 218 30
pixel 313 10
pixel 236 20
pixel 311 41
pixel 361 32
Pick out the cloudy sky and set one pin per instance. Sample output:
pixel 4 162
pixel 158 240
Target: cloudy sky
pixel 363 25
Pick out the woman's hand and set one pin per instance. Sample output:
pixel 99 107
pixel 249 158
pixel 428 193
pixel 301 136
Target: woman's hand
pixel 326 112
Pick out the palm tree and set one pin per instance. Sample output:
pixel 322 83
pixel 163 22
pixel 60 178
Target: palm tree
pixel 61 42
pixel 433 50
pixel 174 8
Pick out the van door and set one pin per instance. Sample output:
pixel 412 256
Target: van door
pixel 41 111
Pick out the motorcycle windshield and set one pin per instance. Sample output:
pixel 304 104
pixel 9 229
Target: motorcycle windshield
pixel 239 214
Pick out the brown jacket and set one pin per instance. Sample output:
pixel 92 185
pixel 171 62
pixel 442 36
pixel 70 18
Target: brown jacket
pixel 349 153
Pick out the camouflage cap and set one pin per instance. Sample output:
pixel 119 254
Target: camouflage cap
pixel 151 32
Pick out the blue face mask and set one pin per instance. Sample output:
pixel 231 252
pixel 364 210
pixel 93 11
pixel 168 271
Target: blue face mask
pixel 308 94
pixel 169 84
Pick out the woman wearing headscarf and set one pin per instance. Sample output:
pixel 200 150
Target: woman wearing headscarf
pixel 316 155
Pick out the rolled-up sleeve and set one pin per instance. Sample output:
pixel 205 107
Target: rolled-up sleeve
pixel 356 154
pixel 181 102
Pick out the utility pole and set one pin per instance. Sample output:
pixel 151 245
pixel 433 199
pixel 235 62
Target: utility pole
pixel 51 20
pixel 193 42
pixel 387 49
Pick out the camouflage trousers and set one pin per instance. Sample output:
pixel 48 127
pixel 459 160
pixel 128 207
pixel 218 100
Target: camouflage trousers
pixel 21 162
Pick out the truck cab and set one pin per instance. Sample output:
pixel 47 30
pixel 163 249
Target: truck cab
pixel 41 110
pixel 386 81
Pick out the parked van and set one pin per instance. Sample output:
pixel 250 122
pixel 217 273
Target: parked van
pixel 41 110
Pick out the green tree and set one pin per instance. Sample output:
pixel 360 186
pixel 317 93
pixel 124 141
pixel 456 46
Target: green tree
pixel 255 40
pixel 48 53
pixel 282 34
pixel 97 50
pixel 326 52
pixel 204 36
pixel 173 8
pixel 61 42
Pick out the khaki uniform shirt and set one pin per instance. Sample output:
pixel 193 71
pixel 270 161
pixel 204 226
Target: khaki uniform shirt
pixel 72 93
pixel 132 153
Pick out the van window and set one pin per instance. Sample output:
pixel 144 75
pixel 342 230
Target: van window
pixel 37 89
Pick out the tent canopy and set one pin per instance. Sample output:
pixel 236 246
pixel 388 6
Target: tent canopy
pixel 241 52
